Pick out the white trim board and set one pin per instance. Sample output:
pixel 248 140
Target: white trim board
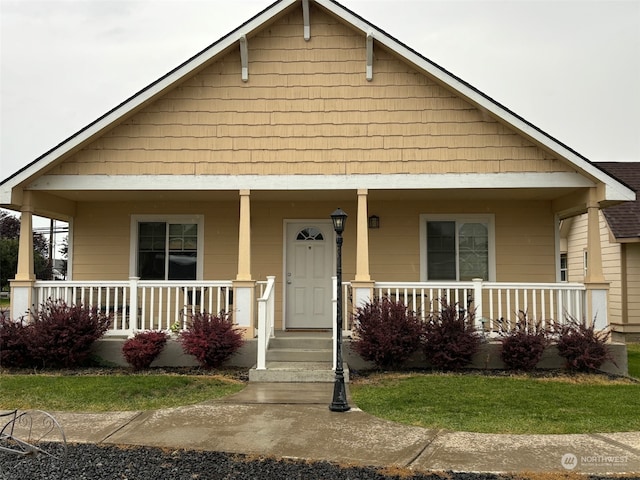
pixel 315 182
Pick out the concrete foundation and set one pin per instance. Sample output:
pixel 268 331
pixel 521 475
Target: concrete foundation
pixel 488 358
pixel 109 350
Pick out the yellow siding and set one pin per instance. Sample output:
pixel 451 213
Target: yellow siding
pixel 611 263
pixel 524 248
pixel 633 282
pixel 102 238
pixel 308 109
pixel 577 244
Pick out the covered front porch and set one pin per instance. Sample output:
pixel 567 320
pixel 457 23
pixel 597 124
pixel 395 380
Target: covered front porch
pixel 276 257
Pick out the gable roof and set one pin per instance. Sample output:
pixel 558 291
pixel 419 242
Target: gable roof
pixel 624 219
pixel 614 191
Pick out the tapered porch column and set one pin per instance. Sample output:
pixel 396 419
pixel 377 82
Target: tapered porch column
pixel 22 285
pixel 362 284
pixel 597 287
pixel 244 285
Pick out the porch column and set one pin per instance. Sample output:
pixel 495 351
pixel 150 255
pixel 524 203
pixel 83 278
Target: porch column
pixel 244 237
pixel 244 285
pixel 22 285
pixel 595 283
pixel 362 284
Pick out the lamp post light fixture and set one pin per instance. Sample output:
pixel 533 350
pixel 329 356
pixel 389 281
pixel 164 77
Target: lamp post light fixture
pixel 339 403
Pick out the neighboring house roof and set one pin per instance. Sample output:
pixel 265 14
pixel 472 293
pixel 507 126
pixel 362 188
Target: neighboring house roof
pixel 614 191
pixel 624 219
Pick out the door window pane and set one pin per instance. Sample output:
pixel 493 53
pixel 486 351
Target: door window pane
pixel 441 250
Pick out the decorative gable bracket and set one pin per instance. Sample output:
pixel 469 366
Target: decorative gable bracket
pixel 244 58
pixel 369 56
pixel 305 18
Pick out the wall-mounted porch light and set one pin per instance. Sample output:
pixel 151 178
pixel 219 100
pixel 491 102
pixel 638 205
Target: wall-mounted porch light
pixel 374 221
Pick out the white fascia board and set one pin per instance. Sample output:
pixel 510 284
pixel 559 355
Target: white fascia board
pixel 309 182
pixel 613 187
pixel 146 94
pixel 5 195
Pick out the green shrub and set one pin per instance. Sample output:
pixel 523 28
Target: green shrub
pixel 143 348
pixel 450 338
pixel 212 339
pixel 386 333
pixel 523 344
pixel 582 346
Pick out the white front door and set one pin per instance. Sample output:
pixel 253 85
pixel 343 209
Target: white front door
pixel 309 263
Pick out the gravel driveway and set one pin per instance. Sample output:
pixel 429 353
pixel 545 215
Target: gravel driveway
pixel 92 462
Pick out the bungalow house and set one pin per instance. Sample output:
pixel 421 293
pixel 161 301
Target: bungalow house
pixel 212 189
pixel 620 243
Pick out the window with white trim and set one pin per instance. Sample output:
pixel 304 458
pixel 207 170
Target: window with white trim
pixel 564 267
pixel 457 248
pixel 167 248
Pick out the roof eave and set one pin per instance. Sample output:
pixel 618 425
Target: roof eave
pixel 614 191
pixel 139 99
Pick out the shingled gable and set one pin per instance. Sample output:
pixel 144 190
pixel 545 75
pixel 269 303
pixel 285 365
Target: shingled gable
pixel 624 219
pixel 614 190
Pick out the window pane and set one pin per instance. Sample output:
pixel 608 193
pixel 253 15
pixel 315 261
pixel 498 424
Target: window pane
pixel 180 247
pixel 441 250
pixel 182 266
pixel 183 251
pixel 473 250
pixel 310 233
pixel 151 265
pixel 151 250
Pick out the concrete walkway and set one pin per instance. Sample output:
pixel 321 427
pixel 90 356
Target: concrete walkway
pixel 293 420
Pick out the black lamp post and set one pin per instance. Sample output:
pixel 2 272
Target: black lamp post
pixel 339 403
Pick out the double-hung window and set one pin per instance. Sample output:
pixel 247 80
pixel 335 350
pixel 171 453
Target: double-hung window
pixel 457 247
pixel 167 248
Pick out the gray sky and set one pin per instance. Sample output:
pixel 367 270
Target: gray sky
pixel 571 67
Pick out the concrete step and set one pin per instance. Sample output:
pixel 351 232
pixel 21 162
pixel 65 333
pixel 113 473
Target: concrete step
pixel 301 342
pixel 298 355
pixel 296 372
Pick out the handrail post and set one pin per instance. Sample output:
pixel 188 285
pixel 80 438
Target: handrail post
pixel 266 328
pixel 133 305
pixel 477 301
pixel 262 332
pixel 271 280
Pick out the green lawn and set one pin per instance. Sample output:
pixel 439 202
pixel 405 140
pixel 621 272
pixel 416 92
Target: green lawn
pixel 115 392
pixel 633 355
pixel 518 404
pixel 479 403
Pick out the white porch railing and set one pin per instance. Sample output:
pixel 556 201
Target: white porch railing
pixel 266 321
pixel 491 301
pixel 141 305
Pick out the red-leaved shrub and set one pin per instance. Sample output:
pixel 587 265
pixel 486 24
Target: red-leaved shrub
pixel 582 346
pixel 450 338
pixel 386 332
pixel 523 344
pixel 143 348
pixel 13 342
pixel 212 339
pixel 60 335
